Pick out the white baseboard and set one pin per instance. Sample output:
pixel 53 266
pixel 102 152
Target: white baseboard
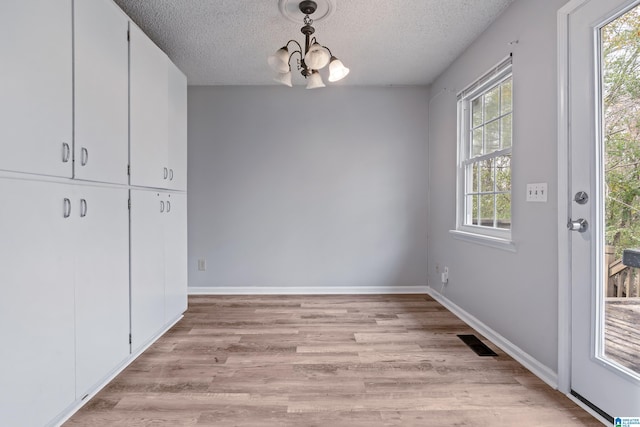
pixel 75 407
pixel 524 358
pixel 311 290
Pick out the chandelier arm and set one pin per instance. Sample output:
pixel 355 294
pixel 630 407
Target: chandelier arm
pixel 293 41
pixel 328 50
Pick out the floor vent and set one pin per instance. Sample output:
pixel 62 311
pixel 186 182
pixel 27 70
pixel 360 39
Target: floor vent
pixel 476 345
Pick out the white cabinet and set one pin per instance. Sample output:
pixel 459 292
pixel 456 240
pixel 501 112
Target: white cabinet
pixel 158 262
pixel 36 87
pixel 101 61
pixel 101 222
pixel 149 99
pixel 177 122
pixel 37 303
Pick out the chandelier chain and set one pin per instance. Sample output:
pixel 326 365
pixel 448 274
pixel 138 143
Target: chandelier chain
pixel 308 20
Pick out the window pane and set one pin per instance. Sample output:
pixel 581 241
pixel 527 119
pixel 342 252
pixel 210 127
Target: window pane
pixel 486 176
pixel 506 96
pixel 476 149
pixel 487 210
pixel 505 132
pixel 476 112
pixel 503 173
pixel 492 136
pixel 503 208
pixel 472 207
pixel 474 171
pixel 492 104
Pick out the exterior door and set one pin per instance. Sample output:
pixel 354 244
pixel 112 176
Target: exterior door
pixel 598 378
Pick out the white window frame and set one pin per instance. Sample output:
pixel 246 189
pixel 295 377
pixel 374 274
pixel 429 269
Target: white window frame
pixel 489 236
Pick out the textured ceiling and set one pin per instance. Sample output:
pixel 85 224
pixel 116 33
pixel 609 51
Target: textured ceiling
pixel 383 42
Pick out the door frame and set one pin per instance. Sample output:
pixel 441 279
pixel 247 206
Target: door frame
pixel 564 204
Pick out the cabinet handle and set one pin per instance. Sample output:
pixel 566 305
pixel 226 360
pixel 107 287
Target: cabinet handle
pixel 84 157
pixel 161 206
pixel 66 152
pixel 170 174
pixel 83 208
pixel 66 210
pixel 168 206
pixel 166 173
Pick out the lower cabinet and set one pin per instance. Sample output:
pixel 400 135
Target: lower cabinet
pixel 64 311
pixel 158 262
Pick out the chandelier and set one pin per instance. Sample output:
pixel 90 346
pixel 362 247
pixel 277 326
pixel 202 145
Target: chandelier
pixel 315 56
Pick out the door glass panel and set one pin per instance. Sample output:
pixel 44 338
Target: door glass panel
pixel 620 61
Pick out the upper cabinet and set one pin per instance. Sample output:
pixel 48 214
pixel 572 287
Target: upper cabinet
pixel 177 160
pixel 149 109
pixel 101 62
pixel 158 109
pixel 36 87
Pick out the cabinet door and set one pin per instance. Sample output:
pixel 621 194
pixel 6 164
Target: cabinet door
pixel 36 87
pixel 177 129
pixel 36 307
pixel 101 61
pixel 149 111
pixel 147 266
pixel 175 264
pixel 102 283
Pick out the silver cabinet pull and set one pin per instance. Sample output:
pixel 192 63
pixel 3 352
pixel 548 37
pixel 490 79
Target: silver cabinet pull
pixel 170 174
pixel 66 152
pixel 168 206
pixel 166 173
pixel 66 210
pixel 83 208
pixel 161 206
pixel 84 156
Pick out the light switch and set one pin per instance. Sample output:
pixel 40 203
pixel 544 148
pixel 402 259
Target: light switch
pixel 537 192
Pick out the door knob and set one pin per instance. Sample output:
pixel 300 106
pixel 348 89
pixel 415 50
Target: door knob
pixel 579 225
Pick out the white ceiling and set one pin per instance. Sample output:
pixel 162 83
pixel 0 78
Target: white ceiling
pixel 383 42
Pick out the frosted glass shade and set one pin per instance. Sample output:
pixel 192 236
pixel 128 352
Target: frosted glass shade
pixel 337 71
pixel 317 57
pixel 284 78
pixel 315 81
pixel 279 61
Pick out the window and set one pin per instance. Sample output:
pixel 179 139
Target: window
pixel 485 111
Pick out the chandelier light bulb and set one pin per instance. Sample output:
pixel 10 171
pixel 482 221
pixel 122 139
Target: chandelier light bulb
pixel 337 70
pixel 279 61
pixel 284 78
pixel 317 57
pixel 315 81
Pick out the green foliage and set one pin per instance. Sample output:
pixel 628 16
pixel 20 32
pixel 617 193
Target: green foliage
pixel 621 91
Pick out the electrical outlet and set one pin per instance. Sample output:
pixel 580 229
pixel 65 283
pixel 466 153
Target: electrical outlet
pixel 202 264
pixel 444 277
pixel 537 192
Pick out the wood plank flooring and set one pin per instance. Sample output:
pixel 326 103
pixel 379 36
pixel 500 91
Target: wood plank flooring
pixel 366 360
pixel 622 331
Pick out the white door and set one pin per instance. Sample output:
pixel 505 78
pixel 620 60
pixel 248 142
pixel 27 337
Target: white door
pixel 175 231
pixel 147 266
pixel 37 303
pixel 101 62
pixel 101 283
pixel 36 87
pixel 149 111
pixel 596 377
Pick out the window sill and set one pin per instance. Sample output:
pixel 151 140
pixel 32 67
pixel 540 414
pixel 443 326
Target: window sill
pixel 484 240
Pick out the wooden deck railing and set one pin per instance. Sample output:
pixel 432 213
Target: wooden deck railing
pixel 622 281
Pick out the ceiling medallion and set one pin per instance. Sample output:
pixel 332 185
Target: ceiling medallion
pixel 290 9
pixel 314 58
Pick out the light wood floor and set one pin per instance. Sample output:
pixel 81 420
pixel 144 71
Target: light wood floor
pixel 324 361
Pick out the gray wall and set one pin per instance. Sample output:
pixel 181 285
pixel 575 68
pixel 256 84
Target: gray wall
pixel 516 294
pixel 297 188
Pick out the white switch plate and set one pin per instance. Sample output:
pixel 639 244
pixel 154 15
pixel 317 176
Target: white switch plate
pixel 537 192
pixel 202 264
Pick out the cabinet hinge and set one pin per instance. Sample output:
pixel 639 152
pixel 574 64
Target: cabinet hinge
pixel 129 204
pixel 129 338
pixel 128 35
pixel 128 169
